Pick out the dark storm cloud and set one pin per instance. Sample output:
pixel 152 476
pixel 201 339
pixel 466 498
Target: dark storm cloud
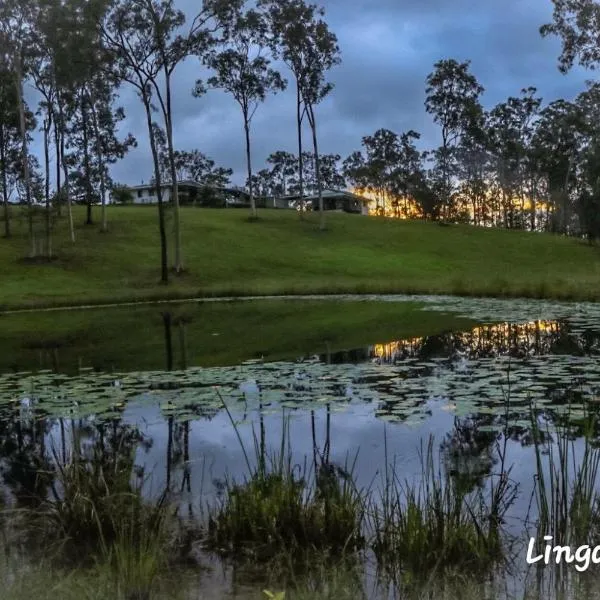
pixel 388 48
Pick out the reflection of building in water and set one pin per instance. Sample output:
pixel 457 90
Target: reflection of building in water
pixel 522 339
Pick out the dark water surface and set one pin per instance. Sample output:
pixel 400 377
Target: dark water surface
pixel 343 376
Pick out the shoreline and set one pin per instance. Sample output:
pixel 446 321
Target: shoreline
pixel 319 296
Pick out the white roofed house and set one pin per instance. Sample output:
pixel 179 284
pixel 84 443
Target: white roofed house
pixel 192 193
pixel 339 200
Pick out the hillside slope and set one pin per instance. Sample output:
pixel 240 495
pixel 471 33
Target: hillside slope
pixel 225 254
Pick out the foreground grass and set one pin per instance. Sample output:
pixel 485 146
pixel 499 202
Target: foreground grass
pixel 225 254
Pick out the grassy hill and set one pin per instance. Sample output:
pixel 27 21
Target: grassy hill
pixel 225 254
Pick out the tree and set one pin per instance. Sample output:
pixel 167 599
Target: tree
pixel 321 52
pixel 131 49
pixel 408 175
pixel 164 24
pixel 190 165
pixel 452 97
pixel 302 40
pixel 331 176
pixel 287 21
pixel 284 168
pixel 511 127
pixel 242 69
pixel 121 194
pixel 9 140
pixel 15 40
pixel 558 142
pixel 376 171
pixel 577 23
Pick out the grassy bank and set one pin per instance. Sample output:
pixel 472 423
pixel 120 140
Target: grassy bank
pixel 279 254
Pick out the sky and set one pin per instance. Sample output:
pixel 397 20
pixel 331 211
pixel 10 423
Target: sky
pixel 388 47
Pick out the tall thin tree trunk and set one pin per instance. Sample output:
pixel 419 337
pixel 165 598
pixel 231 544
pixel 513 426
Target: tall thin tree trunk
pixel 86 160
pixel 253 213
pixel 164 266
pixel 533 205
pixel 174 183
pixel 104 226
pixel 3 168
pixel 300 157
pixel 66 175
pixel 24 149
pixel 58 174
pixel 565 197
pixel 47 127
pixel 313 126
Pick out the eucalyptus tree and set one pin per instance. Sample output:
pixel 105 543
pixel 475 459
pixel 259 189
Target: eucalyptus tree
pixel 132 50
pixel 284 170
pixel 356 171
pixel 330 171
pixel 452 97
pixel 288 20
pixel 9 141
pixel 242 69
pixel 302 39
pixel 148 40
pixel 191 165
pixel 577 23
pixel 408 173
pixel 382 158
pixel 511 126
pixel 172 47
pixel 557 141
pixel 16 22
pixel 321 52
pixel 263 183
pixel 588 175
pixel 71 54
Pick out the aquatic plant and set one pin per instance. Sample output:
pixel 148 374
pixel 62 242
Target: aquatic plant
pixel 565 486
pixel 436 525
pixel 282 507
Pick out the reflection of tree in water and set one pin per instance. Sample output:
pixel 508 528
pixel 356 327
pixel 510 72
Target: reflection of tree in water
pixel 32 447
pixel 23 458
pixel 469 453
pixel 487 341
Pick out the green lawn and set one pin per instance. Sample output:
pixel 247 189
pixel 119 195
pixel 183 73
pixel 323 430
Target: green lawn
pixel 225 254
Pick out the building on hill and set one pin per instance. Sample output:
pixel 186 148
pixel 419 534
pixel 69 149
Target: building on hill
pixel 199 194
pixel 192 192
pixel 339 200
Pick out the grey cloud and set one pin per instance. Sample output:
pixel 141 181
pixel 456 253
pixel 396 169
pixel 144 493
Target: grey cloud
pixel 388 49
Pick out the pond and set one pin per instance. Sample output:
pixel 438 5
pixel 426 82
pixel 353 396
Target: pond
pixel 203 393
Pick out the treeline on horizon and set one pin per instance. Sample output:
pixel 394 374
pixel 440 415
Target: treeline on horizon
pixel 521 164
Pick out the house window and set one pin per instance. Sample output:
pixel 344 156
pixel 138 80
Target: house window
pixel 140 193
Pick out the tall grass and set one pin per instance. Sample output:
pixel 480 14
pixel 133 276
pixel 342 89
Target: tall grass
pixel 565 490
pixel 424 530
pixel 287 509
pixel 97 520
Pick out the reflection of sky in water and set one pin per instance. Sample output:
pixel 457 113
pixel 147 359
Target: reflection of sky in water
pixel 410 389
pixel 215 452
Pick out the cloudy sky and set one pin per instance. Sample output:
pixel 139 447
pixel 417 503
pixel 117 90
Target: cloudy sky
pixel 388 48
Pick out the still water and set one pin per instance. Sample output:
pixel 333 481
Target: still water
pixel 358 381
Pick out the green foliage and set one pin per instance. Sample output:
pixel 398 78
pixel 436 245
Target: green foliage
pixel 566 495
pixel 282 509
pixel 437 526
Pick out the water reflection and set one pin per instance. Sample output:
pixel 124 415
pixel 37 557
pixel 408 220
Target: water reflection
pixel 520 340
pixel 474 389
